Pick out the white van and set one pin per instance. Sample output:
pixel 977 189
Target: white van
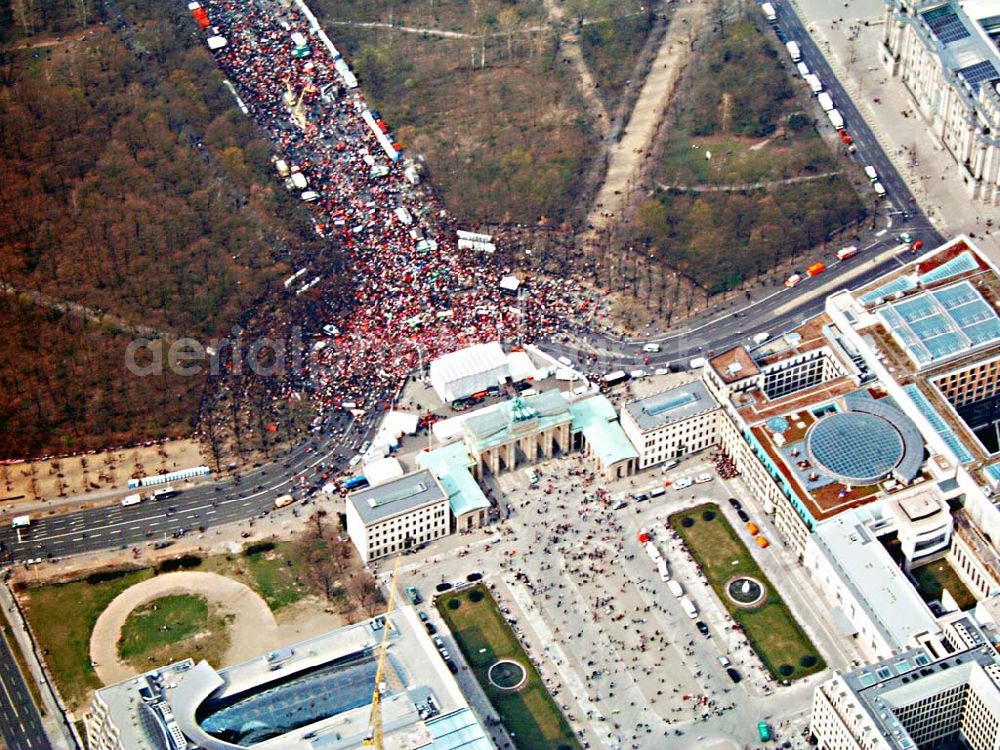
pixel 760 338
pixel 872 174
pixel 675 588
pixel 793 51
pixel 661 566
pixel 879 190
pixel 815 85
pixel 703 478
pixel 670 463
pixel 825 101
pixel 532 476
pixel 131 500
pixel 563 360
pixel 651 348
pixel 803 69
pixel 689 608
pixel 310 196
pixel 697 363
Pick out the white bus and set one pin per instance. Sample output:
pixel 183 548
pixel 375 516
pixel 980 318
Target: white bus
pixel 20 522
pixel 165 493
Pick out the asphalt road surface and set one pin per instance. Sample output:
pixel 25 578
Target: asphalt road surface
pixel 227 500
pixel 20 724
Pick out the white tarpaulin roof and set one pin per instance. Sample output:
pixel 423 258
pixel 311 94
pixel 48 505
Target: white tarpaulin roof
pixel 468 371
pixel 520 365
pixel 382 470
pixel 510 283
pixel 398 423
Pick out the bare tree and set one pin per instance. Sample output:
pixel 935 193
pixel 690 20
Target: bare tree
pixel 24 12
pixel 364 590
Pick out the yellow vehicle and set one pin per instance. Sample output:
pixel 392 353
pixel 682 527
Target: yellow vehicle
pixel 284 500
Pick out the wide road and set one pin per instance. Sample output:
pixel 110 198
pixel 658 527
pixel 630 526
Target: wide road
pixel 253 494
pixel 20 724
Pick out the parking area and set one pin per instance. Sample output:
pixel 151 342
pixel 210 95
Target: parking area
pixel 627 664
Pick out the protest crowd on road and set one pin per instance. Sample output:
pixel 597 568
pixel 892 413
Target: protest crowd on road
pixel 415 294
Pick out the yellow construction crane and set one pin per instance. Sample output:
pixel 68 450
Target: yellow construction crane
pixel 298 113
pixel 374 736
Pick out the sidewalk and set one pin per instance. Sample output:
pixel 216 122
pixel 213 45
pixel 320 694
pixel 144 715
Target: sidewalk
pixel 933 175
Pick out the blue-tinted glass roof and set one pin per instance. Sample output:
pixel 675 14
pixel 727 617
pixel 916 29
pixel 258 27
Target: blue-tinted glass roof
pixel 936 325
pixel 902 284
pixel 955 266
pixel 945 24
pixel 993 472
pixel 937 422
pixel 856 448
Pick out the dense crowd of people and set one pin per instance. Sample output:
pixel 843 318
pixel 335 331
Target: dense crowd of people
pixel 415 294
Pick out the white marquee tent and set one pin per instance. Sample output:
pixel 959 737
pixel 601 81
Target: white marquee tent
pixel 468 371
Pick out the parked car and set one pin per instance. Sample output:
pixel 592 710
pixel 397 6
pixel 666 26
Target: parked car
pixel 683 483
pixel 413 595
pixel 744 516
pixel 734 674
pixel 735 503
pixel 703 628
pixel 702 478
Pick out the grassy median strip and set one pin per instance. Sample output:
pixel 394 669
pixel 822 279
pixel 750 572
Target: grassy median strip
pixel 770 627
pixel 529 713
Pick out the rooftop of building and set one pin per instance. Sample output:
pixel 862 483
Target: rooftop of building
pixel 397 496
pixel 965 34
pixel 313 695
pixel 672 405
pixel 452 464
pixel 735 364
pixel 879 586
pixel 596 418
pixel 915 675
pixel 500 423
pixel 929 322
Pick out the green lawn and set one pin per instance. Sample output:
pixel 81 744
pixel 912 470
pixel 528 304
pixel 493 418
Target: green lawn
pixel 62 617
pixel 162 622
pixel 275 574
pixel 934 577
pixel 531 715
pixel 772 630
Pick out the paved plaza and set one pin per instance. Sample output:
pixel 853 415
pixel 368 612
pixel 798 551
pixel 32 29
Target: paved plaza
pixel 624 661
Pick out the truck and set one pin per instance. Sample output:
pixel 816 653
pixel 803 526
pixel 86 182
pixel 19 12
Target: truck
pixel 825 101
pixel 815 85
pixel 20 522
pixel 133 499
pixel 815 269
pixel 283 501
pixel 793 51
pixel 835 119
pixel 768 10
pixel 688 606
pixel 697 363
pixel 847 252
pixel 300 47
pixel 614 378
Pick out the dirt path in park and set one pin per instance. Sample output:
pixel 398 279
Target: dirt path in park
pixel 252 627
pixel 627 156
